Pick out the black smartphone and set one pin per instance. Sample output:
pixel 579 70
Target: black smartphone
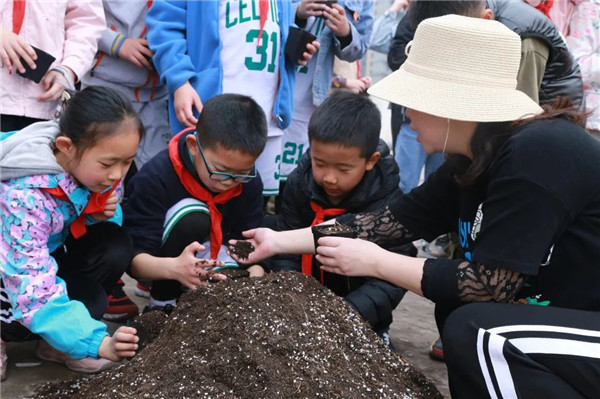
pixel 328 3
pixel 43 62
pixel 296 43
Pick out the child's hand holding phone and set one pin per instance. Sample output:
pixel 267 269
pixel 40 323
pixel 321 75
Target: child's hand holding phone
pixel 334 14
pixel 313 8
pixel 15 52
pixel 335 19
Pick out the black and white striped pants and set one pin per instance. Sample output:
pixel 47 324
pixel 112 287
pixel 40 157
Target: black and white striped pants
pixel 522 351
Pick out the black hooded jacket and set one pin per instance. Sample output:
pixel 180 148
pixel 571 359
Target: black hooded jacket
pixel 374 299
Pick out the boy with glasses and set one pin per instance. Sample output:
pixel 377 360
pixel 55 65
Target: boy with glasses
pixel 189 200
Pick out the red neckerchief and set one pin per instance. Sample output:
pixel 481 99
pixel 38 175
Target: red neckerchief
pixel 96 203
pixel 193 187
pixel 320 214
pixel 18 15
pixel 263 10
pixel 545 7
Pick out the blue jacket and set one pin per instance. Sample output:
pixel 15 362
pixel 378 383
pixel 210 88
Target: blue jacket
pixel 184 36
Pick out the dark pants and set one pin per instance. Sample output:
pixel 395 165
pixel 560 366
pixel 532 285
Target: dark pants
pixel 8 123
pixel 90 266
pixel 194 226
pixel 522 351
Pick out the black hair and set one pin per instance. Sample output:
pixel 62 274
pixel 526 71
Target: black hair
pixel 423 9
pixel 490 136
pixel 234 121
pixel 94 113
pixel 348 119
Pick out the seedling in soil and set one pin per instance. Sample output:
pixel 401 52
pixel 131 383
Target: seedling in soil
pixel 242 249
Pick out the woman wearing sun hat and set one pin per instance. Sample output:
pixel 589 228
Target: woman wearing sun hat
pixel 522 189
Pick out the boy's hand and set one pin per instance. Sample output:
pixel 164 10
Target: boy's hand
pixel 109 209
pixel 191 271
pixel 262 239
pixel 256 271
pixel 12 48
pixel 399 5
pixel 336 20
pixel 367 81
pixel 310 8
pixel 185 99
pixel 311 49
pixel 137 52
pixel 122 344
pixel 356 85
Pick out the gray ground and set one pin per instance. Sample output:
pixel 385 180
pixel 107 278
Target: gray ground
pixel 412 332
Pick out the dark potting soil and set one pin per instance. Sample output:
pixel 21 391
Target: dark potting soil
pixel 335 229
pixel 280 336
pixel 242 249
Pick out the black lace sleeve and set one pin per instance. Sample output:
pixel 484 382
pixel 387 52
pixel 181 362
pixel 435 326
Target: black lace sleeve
pixel 380 227
pixel 479 283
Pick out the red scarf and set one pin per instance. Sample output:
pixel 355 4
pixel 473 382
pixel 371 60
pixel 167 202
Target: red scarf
pixel 197 191
pixel 96 203
pixel 18 15
pixel 320 214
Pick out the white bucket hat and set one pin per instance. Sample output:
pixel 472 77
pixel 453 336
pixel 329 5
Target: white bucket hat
pixel 460 68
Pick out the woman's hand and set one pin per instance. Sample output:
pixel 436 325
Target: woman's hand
pixel 348 256
pixel 109 208
pixel 262 239
pixel 354 257
pixel 122 344
pixel 191 271
pixel 12 49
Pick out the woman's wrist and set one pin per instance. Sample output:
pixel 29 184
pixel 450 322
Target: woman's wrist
pixel 381 258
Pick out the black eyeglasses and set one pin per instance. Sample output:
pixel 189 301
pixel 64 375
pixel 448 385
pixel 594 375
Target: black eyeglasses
pixel 222 176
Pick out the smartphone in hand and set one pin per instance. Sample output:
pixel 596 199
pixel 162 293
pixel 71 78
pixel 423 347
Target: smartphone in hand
pixel 43 62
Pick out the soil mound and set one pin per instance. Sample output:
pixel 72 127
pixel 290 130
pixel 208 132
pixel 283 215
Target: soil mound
pixel 280 336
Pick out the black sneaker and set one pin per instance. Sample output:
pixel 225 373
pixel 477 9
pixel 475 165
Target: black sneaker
pixel 167 309
pixel 120 307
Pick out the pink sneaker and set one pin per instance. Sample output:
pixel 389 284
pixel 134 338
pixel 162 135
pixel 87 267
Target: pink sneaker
pixel 87 365
pixel 3 360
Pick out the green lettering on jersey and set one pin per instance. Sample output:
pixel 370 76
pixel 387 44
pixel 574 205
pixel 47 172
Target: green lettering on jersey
pixel 255 16
pixel 262 51
pixel 243 5
pixel 228 22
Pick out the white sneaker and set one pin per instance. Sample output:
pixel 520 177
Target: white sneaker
pixel 88 365
pixel 142 291
pixel 440 247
